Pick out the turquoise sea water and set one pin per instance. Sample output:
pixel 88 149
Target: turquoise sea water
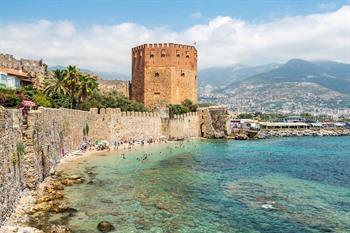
pixel 218 186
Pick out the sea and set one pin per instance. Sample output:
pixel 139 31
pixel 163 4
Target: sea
pixel 295 184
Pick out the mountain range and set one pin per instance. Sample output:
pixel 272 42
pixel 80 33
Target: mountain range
pixel 320 86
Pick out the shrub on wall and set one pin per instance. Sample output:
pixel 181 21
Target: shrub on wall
pixel 185 107
pixel 112 100
pixel 42 100
pixel 9 98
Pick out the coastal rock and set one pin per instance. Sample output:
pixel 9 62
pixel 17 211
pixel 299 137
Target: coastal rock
pixel 241 137
pixel 60 229
pixel 105 226
pixel 162 206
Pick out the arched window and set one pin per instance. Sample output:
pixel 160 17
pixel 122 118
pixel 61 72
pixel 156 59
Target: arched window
pixel 187 54
pixel 156 74
pixel 162 54
pixel 177 53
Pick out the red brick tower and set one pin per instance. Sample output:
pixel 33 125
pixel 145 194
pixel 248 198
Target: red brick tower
pixel 164 74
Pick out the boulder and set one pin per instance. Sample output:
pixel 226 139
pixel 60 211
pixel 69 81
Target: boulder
pixel 105 226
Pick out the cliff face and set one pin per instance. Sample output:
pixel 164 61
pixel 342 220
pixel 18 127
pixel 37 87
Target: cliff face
pixel 120 86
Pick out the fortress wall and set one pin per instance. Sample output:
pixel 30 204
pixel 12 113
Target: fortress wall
pixel 11 171
pixel 181 126
pixel 138 125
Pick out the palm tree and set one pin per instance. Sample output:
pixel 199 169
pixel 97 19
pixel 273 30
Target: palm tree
pixel 86 86
pixel 56 84
pixel 71 79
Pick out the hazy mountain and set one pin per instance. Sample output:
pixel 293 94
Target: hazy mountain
pixel 101 74
pixel 332 75
pixel 296 86
pixel 222 76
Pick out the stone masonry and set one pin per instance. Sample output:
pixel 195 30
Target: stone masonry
pixel 164 74
pixel 120 86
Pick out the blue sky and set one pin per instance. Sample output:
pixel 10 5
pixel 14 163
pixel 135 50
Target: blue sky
pixel 99 34
pixel 177 14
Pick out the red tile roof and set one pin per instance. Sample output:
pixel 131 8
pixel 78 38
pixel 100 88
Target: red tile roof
pixel 18 73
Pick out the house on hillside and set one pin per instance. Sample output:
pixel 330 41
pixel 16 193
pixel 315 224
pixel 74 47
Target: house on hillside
pixel 12 78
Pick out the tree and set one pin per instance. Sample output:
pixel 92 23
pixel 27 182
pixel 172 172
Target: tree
pixel 86 86
pixel 56 84
pixel 71 80
pixel 189 104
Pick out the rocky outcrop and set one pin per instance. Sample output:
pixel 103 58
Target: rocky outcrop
pixel 302 132
pixel 35 207
pixel 214 122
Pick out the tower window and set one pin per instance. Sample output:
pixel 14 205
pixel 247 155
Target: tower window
pixel 163 53
pixel 156 74
pixel 177 53
pixel 151 55
pixel 187 54
pixel 182 74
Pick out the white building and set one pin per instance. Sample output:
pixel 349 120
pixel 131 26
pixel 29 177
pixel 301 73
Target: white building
pixel 11 78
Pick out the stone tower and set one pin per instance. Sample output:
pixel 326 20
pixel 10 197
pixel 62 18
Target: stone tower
pixel 164 74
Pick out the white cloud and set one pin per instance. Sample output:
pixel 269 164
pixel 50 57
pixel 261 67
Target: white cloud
pixel 222 41
pixel 327 6
pixel 197 15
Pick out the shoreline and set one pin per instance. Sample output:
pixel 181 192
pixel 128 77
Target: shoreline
pixel 277 133
pixel 28 201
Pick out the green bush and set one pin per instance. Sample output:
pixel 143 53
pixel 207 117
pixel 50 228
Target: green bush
pixel 185 107
pixel 9 98
pixel 42 100
pixel 112 100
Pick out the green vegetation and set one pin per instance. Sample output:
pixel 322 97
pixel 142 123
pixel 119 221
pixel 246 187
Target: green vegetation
pixel 9 98
pixel 86 131
pixel 69 88
pixel 112 99
pixel 185 107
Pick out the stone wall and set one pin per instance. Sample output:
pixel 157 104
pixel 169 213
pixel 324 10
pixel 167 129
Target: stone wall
pixel 119 86
pixel 11 169
pixel 181 126
pixel 214 122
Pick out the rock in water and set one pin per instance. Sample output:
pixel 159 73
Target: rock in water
pixel 105 226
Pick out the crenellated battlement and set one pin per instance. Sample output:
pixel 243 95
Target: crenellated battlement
pixel 139 114
pixel 163 45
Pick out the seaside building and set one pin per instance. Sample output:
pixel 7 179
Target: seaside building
pixel 284 125
pixel 16 72
pixel 164 74
pixel 12 78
